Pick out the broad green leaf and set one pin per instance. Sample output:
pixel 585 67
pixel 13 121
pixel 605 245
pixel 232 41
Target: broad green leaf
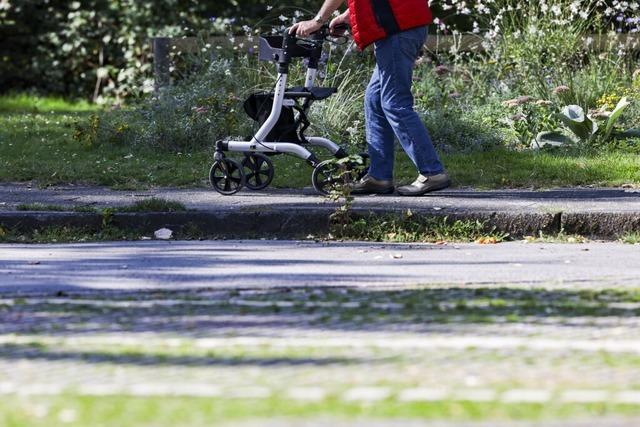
pixel 615 116
pixel 574 117
pixel 551 139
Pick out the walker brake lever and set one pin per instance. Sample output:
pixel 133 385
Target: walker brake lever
pixel 309 43
pixel 339 29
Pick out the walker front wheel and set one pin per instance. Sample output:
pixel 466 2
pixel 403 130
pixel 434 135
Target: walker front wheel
pixel 259 171
pixel 329 176
pixel 227 176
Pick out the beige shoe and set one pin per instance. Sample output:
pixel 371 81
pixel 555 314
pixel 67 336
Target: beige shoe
pixel 370 185
pixel 425 184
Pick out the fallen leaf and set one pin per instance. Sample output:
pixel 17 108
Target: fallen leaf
pixel 487 241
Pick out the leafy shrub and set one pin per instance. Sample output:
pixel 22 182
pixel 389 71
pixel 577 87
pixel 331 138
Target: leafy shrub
pixel 505 95
pixel 182 118
pixel 582 128
pixel 97 48
pixel 207 105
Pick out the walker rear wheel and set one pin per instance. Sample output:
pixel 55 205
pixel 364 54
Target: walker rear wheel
pixel 329 176
pixel 259 171
pixel 227 176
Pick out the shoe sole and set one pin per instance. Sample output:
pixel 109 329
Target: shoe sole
pixel 430 190
pixel 368 193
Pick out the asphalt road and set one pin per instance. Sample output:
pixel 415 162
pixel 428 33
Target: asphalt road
pixel 347 345
pixel 249 264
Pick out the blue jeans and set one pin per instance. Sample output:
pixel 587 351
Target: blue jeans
pixel 389 109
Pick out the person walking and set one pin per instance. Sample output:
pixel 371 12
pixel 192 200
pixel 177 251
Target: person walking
pixel 398 30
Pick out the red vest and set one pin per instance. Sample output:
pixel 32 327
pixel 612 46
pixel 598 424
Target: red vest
pixel 373 20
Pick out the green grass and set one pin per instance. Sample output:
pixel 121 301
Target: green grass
pixel 148 205
pixel 41 147
pixel 37 143
pixel 41 207
pixel 81 329
pixel 69 235
pixel 422 305
pixel 25 103
pixel 502 168
pixel 410 229
pixel 561 237
pixel 631 238
pixel 124 411
pixel 153 205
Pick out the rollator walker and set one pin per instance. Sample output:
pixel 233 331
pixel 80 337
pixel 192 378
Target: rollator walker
pixel 282 130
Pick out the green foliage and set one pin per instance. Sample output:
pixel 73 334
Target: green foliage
pixel 506 96
pixel 631 238
pixel 574 118
pixel 411 228
pixel 148 205
pixel 96 48
pixel 615 117
pixel 584 129
pixel 25 103
pixel 40 147
pixel 182 118
pixel 154 205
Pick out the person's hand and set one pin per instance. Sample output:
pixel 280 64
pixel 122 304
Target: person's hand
pixel 305 28
pixel 337 22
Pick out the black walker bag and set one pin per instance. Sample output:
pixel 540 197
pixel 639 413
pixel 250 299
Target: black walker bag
pixel 258 106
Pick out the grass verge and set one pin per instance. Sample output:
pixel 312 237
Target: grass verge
pixel 347 307
pixel 409 229
pixel 37 144
pixel 148 205
pixel 41 207
pixel 25 103
pixel 631 238
pixel 153 205
pixel 125 411
pixel 378 229
pixel 69 235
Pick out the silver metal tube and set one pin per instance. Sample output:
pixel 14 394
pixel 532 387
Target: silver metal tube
pixel 276 110
pixel 311 77
pixel 269 147
pixel 331 146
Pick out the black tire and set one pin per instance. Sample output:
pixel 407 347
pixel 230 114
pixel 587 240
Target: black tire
pixel 329 176
pixel 227 176
pixel 258 170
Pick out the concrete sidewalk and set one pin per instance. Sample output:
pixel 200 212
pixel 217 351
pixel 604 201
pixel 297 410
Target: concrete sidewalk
pixel 599 213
